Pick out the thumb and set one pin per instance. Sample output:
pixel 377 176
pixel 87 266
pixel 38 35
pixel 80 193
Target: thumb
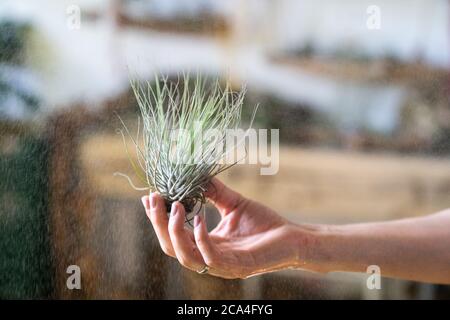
pixel 223 198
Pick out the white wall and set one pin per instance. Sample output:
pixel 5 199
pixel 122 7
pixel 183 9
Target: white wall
pixel 409 28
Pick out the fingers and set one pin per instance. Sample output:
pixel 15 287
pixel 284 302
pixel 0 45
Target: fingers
pixel 210 253
pixel 224 198
pixel 207 249
pixel 173 238
pixel 193 251
pixel 156 212
pixel 183 244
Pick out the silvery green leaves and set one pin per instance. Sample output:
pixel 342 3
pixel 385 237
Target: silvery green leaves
pixel 184 135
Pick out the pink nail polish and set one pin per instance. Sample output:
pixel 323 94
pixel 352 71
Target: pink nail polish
pixel 144 200
pixel 152 201
pixel 196 221
pixel 174 209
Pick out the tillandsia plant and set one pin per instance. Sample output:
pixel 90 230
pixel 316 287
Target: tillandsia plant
pixel 178 160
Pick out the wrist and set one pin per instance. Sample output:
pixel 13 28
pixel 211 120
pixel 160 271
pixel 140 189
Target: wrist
pixel 313 247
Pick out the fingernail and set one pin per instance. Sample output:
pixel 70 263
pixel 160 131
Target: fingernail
pixel 174 209
pixel 153 201
pixel 196 221
pixel 144 200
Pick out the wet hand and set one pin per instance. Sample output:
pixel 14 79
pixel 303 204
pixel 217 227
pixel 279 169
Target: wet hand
pixel 249 239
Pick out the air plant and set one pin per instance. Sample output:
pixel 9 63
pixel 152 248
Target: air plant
pixel 177 159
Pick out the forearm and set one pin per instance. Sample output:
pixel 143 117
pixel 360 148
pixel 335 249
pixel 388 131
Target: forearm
pixel 415 249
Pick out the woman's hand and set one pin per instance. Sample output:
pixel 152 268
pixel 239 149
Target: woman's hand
pixel 249 239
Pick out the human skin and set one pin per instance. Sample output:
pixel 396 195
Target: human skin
pixel 253 239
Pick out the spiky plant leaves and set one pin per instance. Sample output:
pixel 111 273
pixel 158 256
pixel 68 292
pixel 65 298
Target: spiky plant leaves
pixel 184 136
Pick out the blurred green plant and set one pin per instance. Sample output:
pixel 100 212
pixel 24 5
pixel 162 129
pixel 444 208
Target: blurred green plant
pixel 16 96
pixel 25 257
pixel 12 41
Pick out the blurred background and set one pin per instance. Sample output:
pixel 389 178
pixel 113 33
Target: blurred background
pixel 359 90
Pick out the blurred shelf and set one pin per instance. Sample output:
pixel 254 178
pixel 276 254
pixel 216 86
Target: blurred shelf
pixel 370 70
pixel 206 25
pixel 311 185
